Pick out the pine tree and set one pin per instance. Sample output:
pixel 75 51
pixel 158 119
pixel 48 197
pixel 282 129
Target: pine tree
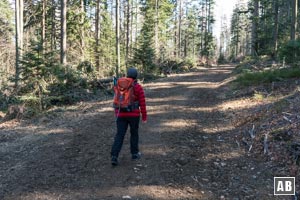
pixel 144 55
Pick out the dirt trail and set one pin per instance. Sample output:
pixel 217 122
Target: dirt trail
pixel 188 146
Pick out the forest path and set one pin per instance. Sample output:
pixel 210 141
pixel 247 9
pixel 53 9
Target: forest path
pixel 188 146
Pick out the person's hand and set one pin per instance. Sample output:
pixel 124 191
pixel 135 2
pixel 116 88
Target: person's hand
pixel 144 121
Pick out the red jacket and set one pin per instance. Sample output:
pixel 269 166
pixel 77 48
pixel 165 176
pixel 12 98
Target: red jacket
pixel 140 97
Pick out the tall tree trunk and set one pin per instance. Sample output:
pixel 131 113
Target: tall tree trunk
pixel 185 51
pixel 156 28
pixel 254 28
pixel 265 26
pixel 206 28
pixel 127 32
pixel 131 27
pixel 122 24
pixel 223 17
pixel 136 22
pixel 209 31
pixel 294 19
pixel 275 31
pixel 82 44
pixel 43 24
pixel 175 35
pixel 117 38
pixel 237 36
pixel 179 27
pixel 202 30
pixel 208 17
pixel 19 37
pixel 97 35
pixel 53 28
pixel 63 39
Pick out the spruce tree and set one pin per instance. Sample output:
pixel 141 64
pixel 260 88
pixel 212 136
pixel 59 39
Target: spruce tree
pixel 145 54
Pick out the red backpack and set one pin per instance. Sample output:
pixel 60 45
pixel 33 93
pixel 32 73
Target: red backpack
pixel 124 94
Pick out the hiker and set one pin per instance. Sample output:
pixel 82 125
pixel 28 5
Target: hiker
pixel 132 118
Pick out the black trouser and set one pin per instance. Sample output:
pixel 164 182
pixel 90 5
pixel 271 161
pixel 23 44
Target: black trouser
pixel 122 125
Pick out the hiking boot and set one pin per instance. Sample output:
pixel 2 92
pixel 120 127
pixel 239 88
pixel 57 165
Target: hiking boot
pixel 136 156
pixel 114 161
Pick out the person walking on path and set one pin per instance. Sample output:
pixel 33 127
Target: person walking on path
pixel 132 119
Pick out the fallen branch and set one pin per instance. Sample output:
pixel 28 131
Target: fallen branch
pixel 287 119
pixel 237 143
pixel 245 142
pixel 266 143
pixel 286 113
pixel 195 178
pixel 251 132
pixel 250 148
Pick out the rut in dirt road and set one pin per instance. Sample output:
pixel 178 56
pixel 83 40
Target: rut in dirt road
pixel 188 147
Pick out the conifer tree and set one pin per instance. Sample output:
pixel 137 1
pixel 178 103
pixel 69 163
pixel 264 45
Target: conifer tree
pixel 144 55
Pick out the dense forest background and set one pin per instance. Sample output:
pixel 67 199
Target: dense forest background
pixel 55 51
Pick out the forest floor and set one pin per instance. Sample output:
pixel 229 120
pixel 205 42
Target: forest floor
pixel 195 145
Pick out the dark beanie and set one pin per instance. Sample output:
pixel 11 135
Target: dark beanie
pixel 132 73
